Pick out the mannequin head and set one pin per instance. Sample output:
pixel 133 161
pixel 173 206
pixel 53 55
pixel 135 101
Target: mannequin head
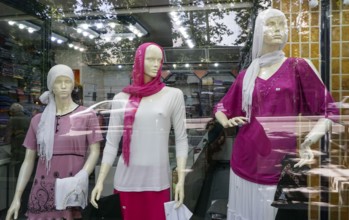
pixel 144 70
pixel 60 81
pixel 62 87
pixel 270 33
pixel 152 62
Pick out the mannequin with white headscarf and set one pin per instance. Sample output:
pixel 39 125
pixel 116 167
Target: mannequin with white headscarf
pixel 51 137
pixel 272 86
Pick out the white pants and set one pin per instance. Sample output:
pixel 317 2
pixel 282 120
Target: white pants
pixel 250 201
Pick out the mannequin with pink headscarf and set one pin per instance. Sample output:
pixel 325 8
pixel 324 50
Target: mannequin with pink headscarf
pixel 272 86
pixel 66 139
pixel 145 110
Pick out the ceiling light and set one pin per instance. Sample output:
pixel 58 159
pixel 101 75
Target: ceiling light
pixel 190 43
pixel 31 30
pixel 76 46
pixel 25 25
pixel 21 26
pixel 182 30
pixel 56 37
pixel 87 32
pixel 137 29
pixel 29 25
pixel 112 24
pixel 99 25
pixel 84 26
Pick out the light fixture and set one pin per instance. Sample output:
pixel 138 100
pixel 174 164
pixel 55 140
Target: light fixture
pixel 58 38
pixel 25 25
pixel 116 37
pixel 86 31
pixel 76 46
pixel 177 24
pixel 112 24
pixel 137 29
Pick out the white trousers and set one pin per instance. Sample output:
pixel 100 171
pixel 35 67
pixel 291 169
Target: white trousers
pixel 250 201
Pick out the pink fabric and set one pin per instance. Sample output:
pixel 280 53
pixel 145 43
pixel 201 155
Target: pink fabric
pixel 74 133
pixel 294 89
pixel 137 91
pixel 143 205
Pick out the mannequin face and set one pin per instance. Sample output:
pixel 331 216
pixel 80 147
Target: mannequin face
pixel 275 33
pixel 152 62
pixel 62 87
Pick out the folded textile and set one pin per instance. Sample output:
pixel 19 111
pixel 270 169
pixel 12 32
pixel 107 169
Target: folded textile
pixel 180 213
pixel 72 191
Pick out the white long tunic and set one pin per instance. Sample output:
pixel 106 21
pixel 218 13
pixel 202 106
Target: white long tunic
pixel 149 167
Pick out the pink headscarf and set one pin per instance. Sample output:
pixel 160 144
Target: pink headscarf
pixel 137 91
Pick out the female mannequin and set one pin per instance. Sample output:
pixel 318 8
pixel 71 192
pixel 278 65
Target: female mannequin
pixel 61 138
pixel 273 85
pixel 146 109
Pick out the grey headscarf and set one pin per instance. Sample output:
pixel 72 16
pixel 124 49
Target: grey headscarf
pixel 46 129
pixel 259 59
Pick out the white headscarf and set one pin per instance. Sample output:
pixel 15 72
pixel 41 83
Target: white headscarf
pixel 46 129
pixel 259 59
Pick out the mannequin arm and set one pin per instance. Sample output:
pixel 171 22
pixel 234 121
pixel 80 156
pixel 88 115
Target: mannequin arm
pixel 98 189
pixel 92 158
pixel 179 191
pixel 225 122
pixel 23 178
pixel 322 126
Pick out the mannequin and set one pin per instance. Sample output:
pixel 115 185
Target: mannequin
pixel 273 85
pixel 61 138
pixel 147 110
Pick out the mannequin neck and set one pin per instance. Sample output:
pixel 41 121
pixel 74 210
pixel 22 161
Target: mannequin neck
pixel 267 48
pixel 267 71
pixel 64 106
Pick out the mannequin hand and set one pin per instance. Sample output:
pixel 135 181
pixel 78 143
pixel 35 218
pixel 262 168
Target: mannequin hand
pixel 96 194
pixel 179 194
pixel 12 212
pixel 236 121
pixel 305 153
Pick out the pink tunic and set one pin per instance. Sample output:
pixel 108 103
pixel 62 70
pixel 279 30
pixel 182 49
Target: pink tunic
pixel 293 89
pixel 75 131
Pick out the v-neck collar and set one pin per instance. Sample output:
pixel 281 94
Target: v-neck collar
pixel 276 72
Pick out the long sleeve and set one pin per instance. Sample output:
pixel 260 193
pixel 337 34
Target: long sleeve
pixel 178 121
pixel 115 130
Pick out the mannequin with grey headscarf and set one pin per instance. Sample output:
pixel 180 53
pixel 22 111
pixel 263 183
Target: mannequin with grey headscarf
pixel 64 138
pixel 272 86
